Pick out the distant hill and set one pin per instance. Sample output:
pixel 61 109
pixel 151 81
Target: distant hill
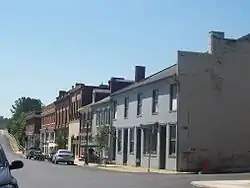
pixel 3 122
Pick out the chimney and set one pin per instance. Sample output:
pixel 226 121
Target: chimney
pixel 215 38
pixel 139 73
pixel 73 87
pixel 61 92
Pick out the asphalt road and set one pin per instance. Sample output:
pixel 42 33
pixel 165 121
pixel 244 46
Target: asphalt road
pixel 36 174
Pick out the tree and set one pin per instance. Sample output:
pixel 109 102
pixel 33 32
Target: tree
pixel 3 122
pixel 102 139
pixel 61 141
pixel 19 110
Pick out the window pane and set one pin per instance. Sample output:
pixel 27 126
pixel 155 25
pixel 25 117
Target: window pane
pixel 172 148
pixel 172 132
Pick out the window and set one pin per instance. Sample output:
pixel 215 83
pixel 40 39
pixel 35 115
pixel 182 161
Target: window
pixel 102 117
pixel 126 105
pixel 173 97
pixel 155 101
pixel 139 104
pixel 119 140
pixel 131 140
pixel 115 110
pixel 105 116
pixel 108 116
pixel 97 118
pixel 150 140
pixel 172 140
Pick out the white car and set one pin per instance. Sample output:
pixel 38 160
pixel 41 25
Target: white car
pixel 64 156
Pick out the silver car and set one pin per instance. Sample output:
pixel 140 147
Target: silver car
pixel 64 156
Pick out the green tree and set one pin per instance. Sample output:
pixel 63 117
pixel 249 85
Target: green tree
pixel 19 110
pixel 61 141
pixel 3 122
pixel 102 137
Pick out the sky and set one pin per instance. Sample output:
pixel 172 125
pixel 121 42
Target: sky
pixel 49 45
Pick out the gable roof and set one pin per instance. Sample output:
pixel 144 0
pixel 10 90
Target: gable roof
pixel 169 71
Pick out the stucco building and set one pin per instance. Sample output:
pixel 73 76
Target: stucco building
pixel 189 114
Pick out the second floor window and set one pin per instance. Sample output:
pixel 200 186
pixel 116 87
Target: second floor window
pixel 173 97
pixel 139 104
pixel 155 102
pixel 126 106
pixel 115 110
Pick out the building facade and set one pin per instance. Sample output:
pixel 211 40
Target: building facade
pixel 47 132
pixel 142 115
pixel 102 124
pixel 81 95
pixel 187 116
pixel 32 130
pixel 213 87
pixel 62 106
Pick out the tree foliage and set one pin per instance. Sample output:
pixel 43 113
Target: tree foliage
pixel 61 141
pixel 3 122
pixel 102 137
pixel 19 110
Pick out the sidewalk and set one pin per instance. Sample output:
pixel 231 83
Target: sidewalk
pixel 13 143
pixel 222 184
pixel 123 168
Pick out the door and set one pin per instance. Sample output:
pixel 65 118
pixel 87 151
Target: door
pixel 125 146
pixel 138 146
pixel 163 134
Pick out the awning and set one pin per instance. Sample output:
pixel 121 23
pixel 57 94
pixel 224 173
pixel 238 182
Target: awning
pixel 52 145
pixel 90 144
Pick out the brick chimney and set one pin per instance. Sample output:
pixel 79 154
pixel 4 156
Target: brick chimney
pixel 140 72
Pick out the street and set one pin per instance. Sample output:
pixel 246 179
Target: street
pixel 44 174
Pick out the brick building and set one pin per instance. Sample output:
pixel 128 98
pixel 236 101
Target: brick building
pixel 47 132
pixel 80 95
pixel 32 130
pixel 62 104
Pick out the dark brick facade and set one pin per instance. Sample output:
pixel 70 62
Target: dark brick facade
pixel 33 123
pixel 48 117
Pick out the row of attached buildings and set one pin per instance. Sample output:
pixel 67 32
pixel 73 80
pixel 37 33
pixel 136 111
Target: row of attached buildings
pixel 192 113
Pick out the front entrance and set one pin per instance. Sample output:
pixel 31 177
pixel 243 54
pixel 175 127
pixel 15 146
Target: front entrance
pixel 163 134
pixel 125 146
pixel 138 146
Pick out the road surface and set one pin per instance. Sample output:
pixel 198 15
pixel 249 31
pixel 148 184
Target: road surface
pixel 37 174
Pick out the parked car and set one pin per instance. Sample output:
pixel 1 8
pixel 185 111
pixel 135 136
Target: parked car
pixel 63 155
pixel 6 178
pixel 35 153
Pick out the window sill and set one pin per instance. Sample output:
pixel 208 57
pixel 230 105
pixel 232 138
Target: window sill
pixel 173 156
pixel 152 155
pixel 125 117
pixel 172 111
pixel 114 119
pixel 119 153
pixel 154 113
pixel 131 153
pixel 139 116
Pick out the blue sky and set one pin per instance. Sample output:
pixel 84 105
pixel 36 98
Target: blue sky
pixel 50 45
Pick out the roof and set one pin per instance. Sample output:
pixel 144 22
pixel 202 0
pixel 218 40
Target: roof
pixel 106 99
pixel 150 79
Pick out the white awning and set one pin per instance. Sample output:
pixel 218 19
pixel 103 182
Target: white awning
pixel 52 145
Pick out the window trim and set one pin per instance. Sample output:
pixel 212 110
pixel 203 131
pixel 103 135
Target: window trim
pixel 119 141
pixel 170 140
pixel 126 107
pixel 132 129
pixel 114 114
pixel 155 101
pixel 171 89
pixel 139 105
